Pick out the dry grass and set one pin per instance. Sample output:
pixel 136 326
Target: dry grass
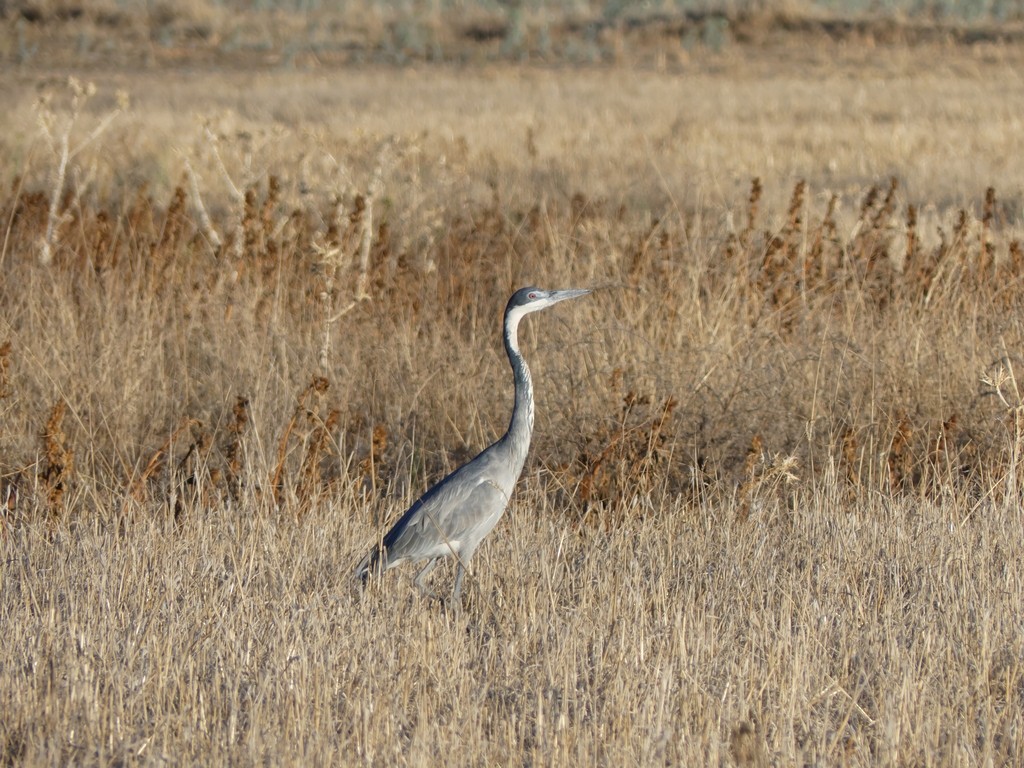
pixel 772 514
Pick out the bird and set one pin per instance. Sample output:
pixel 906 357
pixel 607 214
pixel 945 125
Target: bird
pixel 456 514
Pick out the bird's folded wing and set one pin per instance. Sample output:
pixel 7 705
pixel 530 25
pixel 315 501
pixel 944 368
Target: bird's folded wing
pixel 449 514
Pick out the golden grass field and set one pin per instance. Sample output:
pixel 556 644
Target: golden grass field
pixel 772 513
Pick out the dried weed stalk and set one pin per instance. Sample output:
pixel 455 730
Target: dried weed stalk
pixel 9 498
pixel 987 249
pixel 819 262
pixel 196 479
pixel 336 253
pixel 317 387
pixel 205 223
pixel 370 465
pixel 58 459
pixel 851 455
pixel 782 276
pixel 900 458
pixel 234 449
pixel 1002 381
pixel 210 141
pixel 138 486
pixel 753 207
pixel 628 459
pixel 312 480
pixel 765 475
pixel 57 131
pixel 5 373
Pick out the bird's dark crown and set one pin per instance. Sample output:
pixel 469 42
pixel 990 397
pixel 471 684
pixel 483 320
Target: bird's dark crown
pixel 525 295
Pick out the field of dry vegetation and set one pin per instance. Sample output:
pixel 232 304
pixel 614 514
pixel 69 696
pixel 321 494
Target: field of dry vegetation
pixel 250 308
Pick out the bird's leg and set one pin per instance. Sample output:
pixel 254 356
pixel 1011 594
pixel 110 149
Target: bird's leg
pixel 424 573
pixel 463 565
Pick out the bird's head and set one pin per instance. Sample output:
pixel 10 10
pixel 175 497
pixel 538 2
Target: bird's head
pixel 527 300
pixel 532 299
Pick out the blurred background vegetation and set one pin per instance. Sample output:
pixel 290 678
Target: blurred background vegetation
pixel 310 33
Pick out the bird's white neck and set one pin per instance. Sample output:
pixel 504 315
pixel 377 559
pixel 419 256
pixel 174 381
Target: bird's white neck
pixel 520 427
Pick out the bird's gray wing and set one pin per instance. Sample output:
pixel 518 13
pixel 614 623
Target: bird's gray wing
pixel 447 516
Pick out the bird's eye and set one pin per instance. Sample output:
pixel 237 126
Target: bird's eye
pixel 533 295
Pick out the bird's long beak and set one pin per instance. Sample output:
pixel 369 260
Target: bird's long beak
pixel 569 293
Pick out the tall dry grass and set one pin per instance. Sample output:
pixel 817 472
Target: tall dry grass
pixel 772 512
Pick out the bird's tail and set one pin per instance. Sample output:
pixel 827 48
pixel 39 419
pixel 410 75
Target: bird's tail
pixel 374 563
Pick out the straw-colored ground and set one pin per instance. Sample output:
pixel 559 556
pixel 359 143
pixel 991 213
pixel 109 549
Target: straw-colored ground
pixel 772 513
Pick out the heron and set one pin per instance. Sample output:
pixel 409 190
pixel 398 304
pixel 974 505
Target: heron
pixel 456 514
